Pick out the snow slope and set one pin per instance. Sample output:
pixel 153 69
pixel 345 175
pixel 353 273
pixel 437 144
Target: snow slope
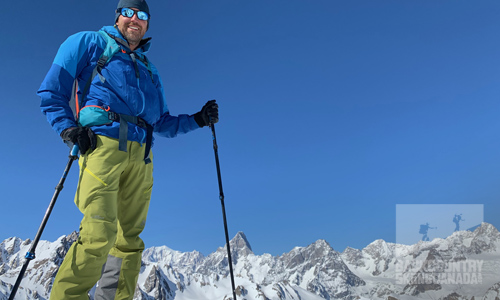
pixel 379 271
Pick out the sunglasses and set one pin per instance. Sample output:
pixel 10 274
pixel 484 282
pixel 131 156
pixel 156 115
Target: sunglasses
pixel 129 13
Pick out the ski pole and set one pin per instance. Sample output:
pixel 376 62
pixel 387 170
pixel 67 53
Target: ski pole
pixel 30 255
pixel 221 197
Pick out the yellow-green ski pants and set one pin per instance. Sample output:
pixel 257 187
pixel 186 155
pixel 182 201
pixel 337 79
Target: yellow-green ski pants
pixel 113 193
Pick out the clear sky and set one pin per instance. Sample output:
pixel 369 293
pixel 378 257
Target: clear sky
pixel 332 113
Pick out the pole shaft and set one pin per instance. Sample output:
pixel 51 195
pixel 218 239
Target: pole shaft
pixel 221 197
pixel 31 254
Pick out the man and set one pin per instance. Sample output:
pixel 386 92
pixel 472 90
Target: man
pixel 120 103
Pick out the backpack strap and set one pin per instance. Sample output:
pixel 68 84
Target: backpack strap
pixel 110 50
pixel 123 132
pixel 145 61
pixel 111 47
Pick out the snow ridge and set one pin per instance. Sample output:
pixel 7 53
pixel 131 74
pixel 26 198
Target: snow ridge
pixel 309 273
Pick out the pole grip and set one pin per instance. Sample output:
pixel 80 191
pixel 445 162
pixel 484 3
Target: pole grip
pixel 74 150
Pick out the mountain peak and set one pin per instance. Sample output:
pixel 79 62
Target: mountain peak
pixel 240 244
pixel 486 229
pixel 322 243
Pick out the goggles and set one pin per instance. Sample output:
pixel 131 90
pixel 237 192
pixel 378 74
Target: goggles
pixel 129 13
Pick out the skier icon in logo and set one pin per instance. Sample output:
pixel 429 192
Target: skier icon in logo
pixel 424 228
pixel 457 219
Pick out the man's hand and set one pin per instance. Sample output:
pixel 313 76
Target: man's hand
pixel 84 137
pixel 209 114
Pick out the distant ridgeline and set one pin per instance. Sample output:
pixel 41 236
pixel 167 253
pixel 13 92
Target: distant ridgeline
pixel 464 265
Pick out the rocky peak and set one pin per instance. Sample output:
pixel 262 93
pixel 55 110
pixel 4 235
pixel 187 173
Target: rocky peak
pixel 378 248
pixel 487 229
pixel 239 244
pixel 353 256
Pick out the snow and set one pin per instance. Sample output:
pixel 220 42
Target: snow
pixel 299 274
pixel 467 242
pixel 307 277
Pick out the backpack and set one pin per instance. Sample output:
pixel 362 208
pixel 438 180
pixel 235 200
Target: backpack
pixel 93 115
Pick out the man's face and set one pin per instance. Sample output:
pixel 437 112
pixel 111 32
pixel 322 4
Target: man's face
pixel 133 29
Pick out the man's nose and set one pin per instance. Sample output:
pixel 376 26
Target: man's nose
pixel 134 17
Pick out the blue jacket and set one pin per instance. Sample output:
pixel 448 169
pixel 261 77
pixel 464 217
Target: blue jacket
pixel 121 91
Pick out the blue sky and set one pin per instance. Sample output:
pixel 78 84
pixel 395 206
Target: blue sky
pixel 332 112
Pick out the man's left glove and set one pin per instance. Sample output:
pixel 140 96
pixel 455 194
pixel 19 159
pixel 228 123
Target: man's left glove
pixel 209 114
pixel 84 137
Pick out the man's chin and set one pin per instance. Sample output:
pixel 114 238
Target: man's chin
pixel 133 38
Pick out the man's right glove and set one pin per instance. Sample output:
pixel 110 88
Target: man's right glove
pixel 84 137
pixel 208 114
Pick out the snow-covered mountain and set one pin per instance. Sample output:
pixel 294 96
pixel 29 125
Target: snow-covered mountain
pixel 466 265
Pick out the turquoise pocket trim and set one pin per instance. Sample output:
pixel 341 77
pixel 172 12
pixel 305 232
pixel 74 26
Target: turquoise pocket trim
pixel 93 116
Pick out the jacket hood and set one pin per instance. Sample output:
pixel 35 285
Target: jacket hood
pixel 143 46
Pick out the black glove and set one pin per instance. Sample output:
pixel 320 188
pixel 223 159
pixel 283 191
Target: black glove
pixel 209 114
pixel 84 137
